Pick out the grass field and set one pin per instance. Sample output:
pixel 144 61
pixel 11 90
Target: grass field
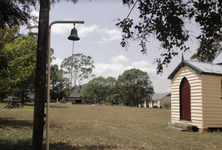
pixel 101 127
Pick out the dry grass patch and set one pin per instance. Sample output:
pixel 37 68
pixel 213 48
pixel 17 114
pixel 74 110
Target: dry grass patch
pixel 102 127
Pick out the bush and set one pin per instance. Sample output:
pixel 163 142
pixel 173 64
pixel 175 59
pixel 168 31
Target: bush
pixel 167 105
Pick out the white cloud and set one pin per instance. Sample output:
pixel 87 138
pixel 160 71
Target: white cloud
pixel 119 58
pixel 116 68
pixel 33 23
pixel 142 64
pixel 106 70
pixel 145 66
pixel 61 28
pixel 57 61
pixel 84 31
pixel 106 35
pixel 109 35
pixel 35 13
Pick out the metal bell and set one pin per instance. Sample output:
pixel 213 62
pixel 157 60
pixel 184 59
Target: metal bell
pixel 73 36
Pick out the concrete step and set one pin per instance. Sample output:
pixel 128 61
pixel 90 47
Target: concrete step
pixel 181 127
pixel 176 125
pixel 177 129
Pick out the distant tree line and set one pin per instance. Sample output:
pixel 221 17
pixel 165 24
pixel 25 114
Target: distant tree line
pixel 131 88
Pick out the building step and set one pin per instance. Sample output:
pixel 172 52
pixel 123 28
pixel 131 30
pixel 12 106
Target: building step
pixel 181 127
pixel 177 129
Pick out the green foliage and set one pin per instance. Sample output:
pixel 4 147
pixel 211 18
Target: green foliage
pixel 166 20
pixel 103 88
pixel 18 57
pixel 135 86
pixel 208 55
pixel 111 88
pixel 7 36
pixel 14 12
pixel 95 88
pixel 167 105
pixel 22 56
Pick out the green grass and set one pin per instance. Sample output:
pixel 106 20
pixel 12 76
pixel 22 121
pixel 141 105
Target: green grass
pixel 101 127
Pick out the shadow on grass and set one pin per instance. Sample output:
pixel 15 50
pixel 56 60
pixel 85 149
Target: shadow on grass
pixel 32 105
pixel 29 104
pixel 66 146
pixel 11 122
pixel 18 145
pixel 57 107
pixel 27 145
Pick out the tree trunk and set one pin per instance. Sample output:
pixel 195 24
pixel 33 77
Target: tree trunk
pixel 14 104
pixel 40 82
pixel 3 95
pixel 22 94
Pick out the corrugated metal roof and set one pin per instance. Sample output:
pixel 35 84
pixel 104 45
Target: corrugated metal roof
pixel 207 67
pixel 200 68
pixel 159 96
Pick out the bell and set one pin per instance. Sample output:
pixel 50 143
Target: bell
pixel 73 36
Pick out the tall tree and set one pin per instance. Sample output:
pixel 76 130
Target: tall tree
pixel 7 35
pixel 166 21
pixel 80 68
pixel 40 82
pixel 136 86
pixel 21 66
pixel 18 56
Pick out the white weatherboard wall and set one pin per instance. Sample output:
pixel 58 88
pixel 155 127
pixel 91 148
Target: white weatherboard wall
pixel 212 102
pixel 196 97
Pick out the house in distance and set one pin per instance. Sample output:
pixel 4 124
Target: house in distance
pixel 158 100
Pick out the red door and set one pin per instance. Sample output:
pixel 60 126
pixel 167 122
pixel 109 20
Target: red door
pixel 185 112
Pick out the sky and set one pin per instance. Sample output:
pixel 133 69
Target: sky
pixel 100 39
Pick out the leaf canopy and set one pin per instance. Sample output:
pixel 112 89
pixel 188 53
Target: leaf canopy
pixel 166 21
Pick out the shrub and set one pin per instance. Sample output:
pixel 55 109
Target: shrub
pixel 167 105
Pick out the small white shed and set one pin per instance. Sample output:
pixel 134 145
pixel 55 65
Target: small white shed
pixel 196 94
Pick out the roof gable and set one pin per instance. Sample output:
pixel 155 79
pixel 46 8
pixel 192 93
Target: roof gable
pixel 159 96
pixel 199 68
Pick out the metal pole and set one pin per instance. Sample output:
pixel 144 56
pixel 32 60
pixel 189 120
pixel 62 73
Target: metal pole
pixel 48 92
pixel 72 67
pixel 48 77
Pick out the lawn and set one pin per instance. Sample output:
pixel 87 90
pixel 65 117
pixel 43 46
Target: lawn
pixel 101 127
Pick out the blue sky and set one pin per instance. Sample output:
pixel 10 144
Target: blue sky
pixel 100 39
